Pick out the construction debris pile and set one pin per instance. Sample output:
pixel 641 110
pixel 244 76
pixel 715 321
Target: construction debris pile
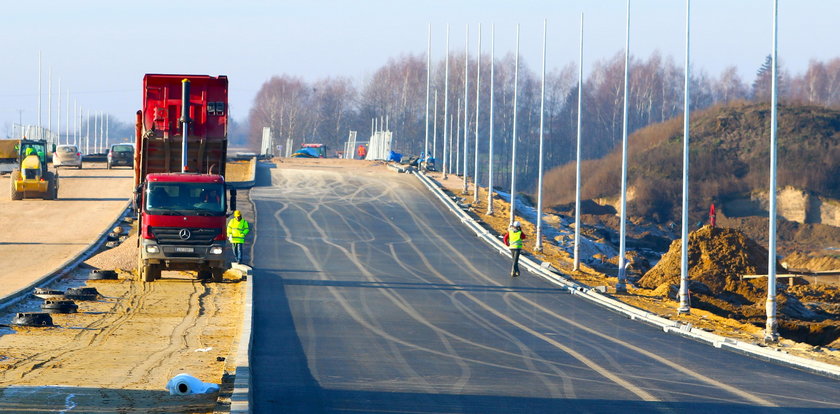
pixel 717 260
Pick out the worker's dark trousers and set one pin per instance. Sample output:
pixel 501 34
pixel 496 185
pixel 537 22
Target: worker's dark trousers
pixel 515 269
pixel 237 252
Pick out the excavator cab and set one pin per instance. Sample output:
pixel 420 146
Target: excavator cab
pixel 32 179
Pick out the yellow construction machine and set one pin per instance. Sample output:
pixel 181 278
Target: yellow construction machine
pixel 33 180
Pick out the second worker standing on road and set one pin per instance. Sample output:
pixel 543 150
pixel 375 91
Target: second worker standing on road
pixel 237 229
pixel 513 239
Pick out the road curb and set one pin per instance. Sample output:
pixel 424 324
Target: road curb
pixel 240 399
pixel 66 267
pixel 770 354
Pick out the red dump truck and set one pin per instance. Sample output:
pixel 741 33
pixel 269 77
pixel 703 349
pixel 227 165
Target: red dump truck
pixel 180 198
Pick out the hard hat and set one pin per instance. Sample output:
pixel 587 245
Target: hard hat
pixel 516 224
pixel 236 213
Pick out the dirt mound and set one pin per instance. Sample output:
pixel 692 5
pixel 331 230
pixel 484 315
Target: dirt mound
pixel 814 261
pixel 717 258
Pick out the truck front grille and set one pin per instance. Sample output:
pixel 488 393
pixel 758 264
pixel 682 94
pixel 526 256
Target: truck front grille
pixel 172 235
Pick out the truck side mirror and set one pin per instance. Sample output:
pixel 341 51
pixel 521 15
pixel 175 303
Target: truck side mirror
pixel 232 199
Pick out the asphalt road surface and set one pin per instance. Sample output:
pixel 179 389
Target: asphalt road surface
pixel 370 297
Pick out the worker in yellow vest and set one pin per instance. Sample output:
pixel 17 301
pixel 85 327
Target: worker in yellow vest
pixel 237 229
pixel 513 239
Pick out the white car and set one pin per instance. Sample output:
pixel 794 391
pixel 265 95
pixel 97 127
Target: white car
pixel 67 156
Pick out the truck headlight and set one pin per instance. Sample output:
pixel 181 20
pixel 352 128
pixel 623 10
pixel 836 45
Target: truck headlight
pixel 216 250
pixel 152 249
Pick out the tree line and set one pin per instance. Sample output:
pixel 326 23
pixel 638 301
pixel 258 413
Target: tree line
pixel 326 110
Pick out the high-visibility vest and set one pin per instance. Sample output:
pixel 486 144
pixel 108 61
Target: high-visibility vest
pixel 515 239
pixel 237 229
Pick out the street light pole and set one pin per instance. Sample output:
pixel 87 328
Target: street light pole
pixel 490 149
pixel 620 286
pixel 770 333
pixel 477 107
pixel 465 166
pixel 685 306
pixel 445 103
pixel 576 265
pixel 513 141
pixel 428 87
pixel 538 242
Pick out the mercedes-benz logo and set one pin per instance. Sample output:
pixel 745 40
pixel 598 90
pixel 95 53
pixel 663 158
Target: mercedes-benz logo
pixel 184 234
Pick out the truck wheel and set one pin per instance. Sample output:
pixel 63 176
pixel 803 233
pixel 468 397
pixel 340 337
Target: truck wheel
pixel 147 272
pixel 151 272
pixel 16 195
pixel 204 274
pixel 218 274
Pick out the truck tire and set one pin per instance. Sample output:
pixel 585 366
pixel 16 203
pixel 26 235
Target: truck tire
pixel 205 273
pixel 147 272
pixel 218 274
pixel 151 272
pixel 16 195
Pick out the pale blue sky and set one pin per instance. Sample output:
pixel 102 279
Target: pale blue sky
pixel 101 49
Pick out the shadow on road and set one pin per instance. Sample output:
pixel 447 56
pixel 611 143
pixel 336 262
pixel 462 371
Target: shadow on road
pixel 415 286
pixel 92 199
pixel 85 177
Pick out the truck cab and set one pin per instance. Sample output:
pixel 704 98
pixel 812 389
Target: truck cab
pixel 183 224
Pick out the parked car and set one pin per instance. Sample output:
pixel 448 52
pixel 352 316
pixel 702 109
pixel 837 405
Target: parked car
pixel 121 154
pixel 67 156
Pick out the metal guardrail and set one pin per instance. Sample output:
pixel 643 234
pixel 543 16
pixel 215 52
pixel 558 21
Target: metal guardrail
pixel 668 326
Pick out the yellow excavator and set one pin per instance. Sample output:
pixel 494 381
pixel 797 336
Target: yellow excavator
pixel 33 180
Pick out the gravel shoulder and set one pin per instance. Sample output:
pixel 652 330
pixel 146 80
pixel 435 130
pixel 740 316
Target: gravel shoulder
pixel 117 353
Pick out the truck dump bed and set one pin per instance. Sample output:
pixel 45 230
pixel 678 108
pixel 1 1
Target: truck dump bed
pixel 159 128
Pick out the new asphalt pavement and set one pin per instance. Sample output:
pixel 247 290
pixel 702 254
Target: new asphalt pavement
pixel 369 296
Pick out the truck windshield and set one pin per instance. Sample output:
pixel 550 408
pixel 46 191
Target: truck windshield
pixel 190 199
